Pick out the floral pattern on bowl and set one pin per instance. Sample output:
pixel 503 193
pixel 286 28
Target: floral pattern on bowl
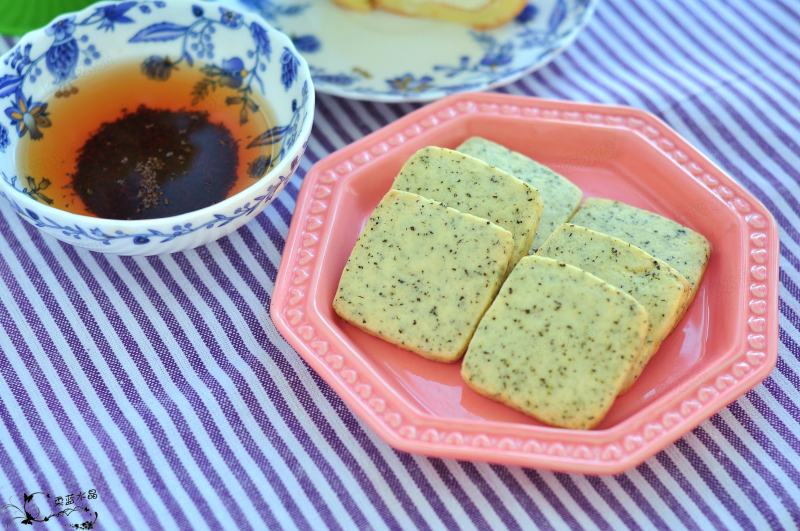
pixel 231 49
pixel 415 59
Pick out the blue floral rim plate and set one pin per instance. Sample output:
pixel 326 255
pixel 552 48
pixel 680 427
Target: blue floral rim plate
pixel 381 56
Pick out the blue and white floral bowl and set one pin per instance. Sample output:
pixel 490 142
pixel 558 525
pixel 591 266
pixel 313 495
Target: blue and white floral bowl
pixel 191 34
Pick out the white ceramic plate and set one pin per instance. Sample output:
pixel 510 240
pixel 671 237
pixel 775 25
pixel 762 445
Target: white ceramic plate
pixel 381 56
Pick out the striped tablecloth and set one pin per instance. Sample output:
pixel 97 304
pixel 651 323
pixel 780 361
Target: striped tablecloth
pixel 160 384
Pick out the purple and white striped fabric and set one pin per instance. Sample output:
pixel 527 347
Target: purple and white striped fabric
pixel 162 383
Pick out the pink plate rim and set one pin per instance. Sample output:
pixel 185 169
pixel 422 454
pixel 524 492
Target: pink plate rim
pixel 295 308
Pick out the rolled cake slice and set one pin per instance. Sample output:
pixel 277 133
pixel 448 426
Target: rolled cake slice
pixel 480 14
pixel 656 285
pixel 559 196
pixel 557 343
pixel 679 246
pixel 421 275
pixel 472 186
pixel 355 5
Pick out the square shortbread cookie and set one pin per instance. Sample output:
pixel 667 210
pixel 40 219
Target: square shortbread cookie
pixel 654 283
pixel 472 186
pixel 557 343
pixel 421 275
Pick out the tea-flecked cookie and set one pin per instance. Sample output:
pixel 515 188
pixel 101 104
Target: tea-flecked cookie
pixel 559 196
pixel 681 247
pixel 472 186
pixel 557 343
pixel 657 286
pixel 421 275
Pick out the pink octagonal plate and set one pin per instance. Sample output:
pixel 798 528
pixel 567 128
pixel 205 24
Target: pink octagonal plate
pixel 726 343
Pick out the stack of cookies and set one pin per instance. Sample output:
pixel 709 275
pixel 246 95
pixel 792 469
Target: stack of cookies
pixel 442 268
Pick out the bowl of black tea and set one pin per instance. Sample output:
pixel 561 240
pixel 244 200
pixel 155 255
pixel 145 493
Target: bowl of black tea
pixel 150 127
